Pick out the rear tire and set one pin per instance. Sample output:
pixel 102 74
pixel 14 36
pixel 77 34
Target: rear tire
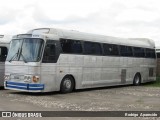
pixel 137 80
pixel 67 84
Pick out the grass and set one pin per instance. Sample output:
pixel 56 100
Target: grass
pixel 154 84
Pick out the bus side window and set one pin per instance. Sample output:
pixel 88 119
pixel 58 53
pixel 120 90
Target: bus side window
pixel 50 52
pixel 158 55
pixel 150 53
pixel 71 46
pixel 139 52
pixel 92 48
pixel 3 54
pixel 126 51
pixel 110 49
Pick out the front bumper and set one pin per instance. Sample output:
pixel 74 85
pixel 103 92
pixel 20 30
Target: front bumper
pixel 24 86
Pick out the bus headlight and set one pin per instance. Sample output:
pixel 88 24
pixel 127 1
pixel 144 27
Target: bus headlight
pixel 27 78
pixel 7 77
pixel 35 79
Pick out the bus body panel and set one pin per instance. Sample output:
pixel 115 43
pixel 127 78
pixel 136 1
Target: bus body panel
pixel 87 71
pixel 48 76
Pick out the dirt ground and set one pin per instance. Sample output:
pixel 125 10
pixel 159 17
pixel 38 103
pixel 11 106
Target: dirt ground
pixel 121 98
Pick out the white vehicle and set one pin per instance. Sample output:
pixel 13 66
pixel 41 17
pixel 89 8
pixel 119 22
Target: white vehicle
pixel 158 60
pixel 4 45
pixel 49 59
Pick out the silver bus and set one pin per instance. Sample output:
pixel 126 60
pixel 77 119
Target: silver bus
pixel 4 45
pixel 48 59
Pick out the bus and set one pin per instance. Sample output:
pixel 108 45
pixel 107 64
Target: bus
pixel 50 59
pixel 158 60
pixel 4 45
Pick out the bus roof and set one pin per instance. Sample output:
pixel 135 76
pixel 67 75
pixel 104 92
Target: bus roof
pixel 5 39
pixel 157 49
pixel 72 34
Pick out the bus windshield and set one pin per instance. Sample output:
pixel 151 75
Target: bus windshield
pixel 27 50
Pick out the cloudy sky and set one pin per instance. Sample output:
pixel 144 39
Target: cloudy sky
pixel 120 18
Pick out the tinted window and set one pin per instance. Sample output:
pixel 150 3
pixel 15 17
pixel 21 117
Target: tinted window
pixel 153 53
pixel 110 49
pixel 139 52
pixel 3 54
pixel 71 46
pixel 158 55
pixel 92 48
pixel 150 53
pixel 51 52
pixel 126 51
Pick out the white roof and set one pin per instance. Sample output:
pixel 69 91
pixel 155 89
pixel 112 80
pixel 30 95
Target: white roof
pixel 158 49
pixel 71 34
pixel 5 39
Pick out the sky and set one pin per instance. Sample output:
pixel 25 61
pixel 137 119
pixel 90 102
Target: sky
pixel 118 18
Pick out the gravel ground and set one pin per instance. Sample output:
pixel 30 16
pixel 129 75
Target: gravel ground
pixel 121 98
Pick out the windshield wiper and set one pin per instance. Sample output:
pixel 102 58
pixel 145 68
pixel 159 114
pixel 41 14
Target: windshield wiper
pixel 18 55
pixel 24 59
pixel 14 56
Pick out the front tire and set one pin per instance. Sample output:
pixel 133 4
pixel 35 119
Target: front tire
pixel 137 80
pixel 67 84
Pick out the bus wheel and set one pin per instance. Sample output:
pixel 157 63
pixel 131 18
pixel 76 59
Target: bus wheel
pixel 67 84
pixel 137 80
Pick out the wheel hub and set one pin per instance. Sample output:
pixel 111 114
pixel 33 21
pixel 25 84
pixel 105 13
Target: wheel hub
pixel 137 80
pixel 67 84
